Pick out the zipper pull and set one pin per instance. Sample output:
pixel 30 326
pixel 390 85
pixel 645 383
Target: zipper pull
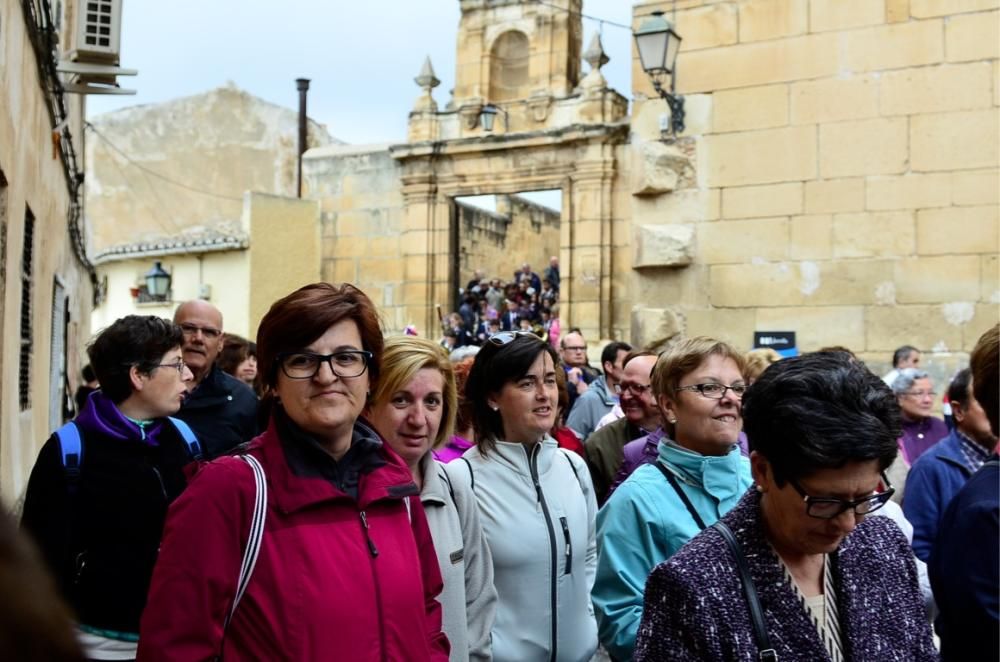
pixel 368 538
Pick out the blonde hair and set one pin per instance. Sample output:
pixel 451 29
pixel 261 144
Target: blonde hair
pixel 758 360
pixel 686 356
pixel 402 358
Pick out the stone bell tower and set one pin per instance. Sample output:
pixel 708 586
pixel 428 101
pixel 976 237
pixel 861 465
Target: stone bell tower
pixel 517 53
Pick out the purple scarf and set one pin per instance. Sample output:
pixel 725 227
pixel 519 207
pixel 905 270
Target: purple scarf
pixel 100 417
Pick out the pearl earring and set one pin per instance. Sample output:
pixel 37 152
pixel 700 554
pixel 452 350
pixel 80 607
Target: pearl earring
pixel 759 488
pixel 673 421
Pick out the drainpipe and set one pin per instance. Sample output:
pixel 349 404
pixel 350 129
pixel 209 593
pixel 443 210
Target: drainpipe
pixel 302 85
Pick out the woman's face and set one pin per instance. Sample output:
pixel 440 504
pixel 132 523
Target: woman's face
pixel 918 401
pixel 706 425
pixel 410 418
pixel 162 390
pixel 246 371
pixel 326 405
pixel 789 527
pixel 527 406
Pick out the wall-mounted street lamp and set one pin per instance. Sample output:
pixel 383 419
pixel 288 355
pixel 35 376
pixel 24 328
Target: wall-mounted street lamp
pixel 488 115
pixel 157 282
pixel 658 44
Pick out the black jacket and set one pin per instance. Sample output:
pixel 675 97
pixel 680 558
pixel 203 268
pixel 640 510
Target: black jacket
pixel 101 541
pixel 222 411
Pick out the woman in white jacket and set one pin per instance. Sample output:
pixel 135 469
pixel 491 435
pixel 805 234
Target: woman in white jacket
pixel 536 504
pixel 413 409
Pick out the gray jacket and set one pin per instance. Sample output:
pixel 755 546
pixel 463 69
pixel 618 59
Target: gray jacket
pixel 590 408
pixel 538 513
pixel 469 599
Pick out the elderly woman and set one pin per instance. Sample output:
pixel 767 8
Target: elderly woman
pixel 921 430
pixel 796 568
pixel 97 510
pixel 699 476
pixel 345 566
pixel 413 409
pixel 536 503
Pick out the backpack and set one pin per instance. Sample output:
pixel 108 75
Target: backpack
pixel 71 447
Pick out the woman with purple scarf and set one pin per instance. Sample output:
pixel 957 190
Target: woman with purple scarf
pixel 98 516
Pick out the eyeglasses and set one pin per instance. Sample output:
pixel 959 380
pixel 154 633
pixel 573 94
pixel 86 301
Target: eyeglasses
pixel 635 389
pixel 207 331
pixel 920 394
pixel 575 349
pixel 179 366
pixel 715 391
pixel 823 508
pixel 505 337
pixel 305 365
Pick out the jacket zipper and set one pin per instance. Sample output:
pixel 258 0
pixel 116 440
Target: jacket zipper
pixel 373 554
pixel 569 546
pixel 553 588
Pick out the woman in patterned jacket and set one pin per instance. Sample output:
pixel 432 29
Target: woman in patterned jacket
pixel 832 583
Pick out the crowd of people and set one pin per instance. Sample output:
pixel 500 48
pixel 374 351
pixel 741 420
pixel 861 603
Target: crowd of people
pixel 331 493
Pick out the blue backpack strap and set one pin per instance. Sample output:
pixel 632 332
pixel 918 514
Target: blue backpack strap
pixel 71 449
pixel 188 435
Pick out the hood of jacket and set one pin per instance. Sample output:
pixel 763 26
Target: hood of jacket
pixel 716 474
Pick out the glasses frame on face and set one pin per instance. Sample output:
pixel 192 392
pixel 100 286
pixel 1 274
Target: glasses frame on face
pixel 638 390
pixel 880 499
pixel 208 331
pixel 920 394
pixel 737 389
pixel 320 359
pixel 179 366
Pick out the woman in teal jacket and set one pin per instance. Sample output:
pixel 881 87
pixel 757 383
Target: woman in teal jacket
pixel 698 477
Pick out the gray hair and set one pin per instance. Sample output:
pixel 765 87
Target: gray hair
pixel 904 380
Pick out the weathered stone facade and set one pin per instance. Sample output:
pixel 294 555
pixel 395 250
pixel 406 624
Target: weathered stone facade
pixel 845 181
pixel 46 291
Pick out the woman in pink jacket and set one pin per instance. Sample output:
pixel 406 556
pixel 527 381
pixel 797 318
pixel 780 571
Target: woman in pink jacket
pixel 346 568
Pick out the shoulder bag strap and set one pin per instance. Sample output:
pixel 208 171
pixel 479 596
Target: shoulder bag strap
pixel 472 475
pixel 565 453
pixel 252 549
pixel 766 652
pixel 684 497
pixel 188 435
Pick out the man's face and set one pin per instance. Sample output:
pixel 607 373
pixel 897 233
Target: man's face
pixel 613 371
pixel 637 399
pixel 526 268
pixel 972 421
pixel 574 350
pixel 202 326
pixel 912 360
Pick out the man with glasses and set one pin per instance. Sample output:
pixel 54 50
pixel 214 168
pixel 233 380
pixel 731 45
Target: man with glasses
pixel 579 374
pixel 602 395
pixel 221 409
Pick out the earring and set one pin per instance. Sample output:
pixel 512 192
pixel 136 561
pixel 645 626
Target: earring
pixel 673 421
pixel 494 408
pixel 759 488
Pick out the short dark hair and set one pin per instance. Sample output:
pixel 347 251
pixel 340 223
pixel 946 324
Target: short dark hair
pixel 297 320
pixel 820 411
pixel 133 340
pixel 901 353
pixel 958 388
pixel 610 352
pixel 985 364
pixel 88 373
pixel 496 365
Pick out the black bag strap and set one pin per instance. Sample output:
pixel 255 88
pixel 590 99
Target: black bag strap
pixel 684 497
pixel 766 652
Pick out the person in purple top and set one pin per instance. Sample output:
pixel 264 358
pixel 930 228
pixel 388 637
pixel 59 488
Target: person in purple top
pixel 915 393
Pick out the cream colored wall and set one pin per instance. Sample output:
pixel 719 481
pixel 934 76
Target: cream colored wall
pixel 226 274
pixel 284 252
pixel 35 180
pixel 845 186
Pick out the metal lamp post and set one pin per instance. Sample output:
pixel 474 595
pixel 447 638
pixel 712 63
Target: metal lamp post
pixel 658 43
pixel 157 282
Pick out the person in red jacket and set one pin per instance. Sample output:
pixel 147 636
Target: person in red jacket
pixel 346 568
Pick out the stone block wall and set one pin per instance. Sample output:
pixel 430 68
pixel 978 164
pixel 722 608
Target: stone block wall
pixel 845 157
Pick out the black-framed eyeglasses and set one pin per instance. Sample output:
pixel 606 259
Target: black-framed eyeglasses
pixel 178 366
pixel 504 337
pixel 305 365
pixel 635 389
pixel 826 508
pixel 207 331
pixel 715 391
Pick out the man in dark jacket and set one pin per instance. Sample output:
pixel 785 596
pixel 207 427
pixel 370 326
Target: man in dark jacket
pixel 221 409
pixel 963 567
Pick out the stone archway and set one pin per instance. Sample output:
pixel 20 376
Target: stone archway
pixel 583 161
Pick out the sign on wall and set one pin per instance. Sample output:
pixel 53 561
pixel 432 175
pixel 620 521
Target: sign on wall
pixel 782 342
